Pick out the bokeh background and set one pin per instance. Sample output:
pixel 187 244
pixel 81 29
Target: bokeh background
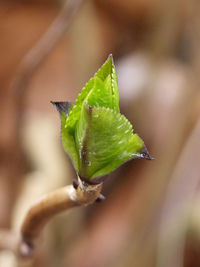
pixel 48 50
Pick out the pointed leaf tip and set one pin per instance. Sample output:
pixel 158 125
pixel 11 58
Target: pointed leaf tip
pixel 145 154
pixel 110 59
pixel 110 56
pixel 62 107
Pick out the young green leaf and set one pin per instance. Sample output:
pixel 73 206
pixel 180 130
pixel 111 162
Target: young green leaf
pixel 106 141
pixel 94 133
pixel 67 139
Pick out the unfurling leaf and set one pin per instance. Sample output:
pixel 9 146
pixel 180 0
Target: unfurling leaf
pixel 96 136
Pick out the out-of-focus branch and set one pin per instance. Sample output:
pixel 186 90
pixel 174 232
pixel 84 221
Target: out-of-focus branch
pixel 28 66
pixel 177 207
pixel 52 204
pixel 40 51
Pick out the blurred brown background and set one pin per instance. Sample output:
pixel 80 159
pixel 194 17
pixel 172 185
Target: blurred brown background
pixel 151 217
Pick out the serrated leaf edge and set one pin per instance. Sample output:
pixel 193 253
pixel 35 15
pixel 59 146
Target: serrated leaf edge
pixel 78 100
pixel 118 114
pixel 110 57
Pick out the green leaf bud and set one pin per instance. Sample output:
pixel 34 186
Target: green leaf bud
pixel 96 136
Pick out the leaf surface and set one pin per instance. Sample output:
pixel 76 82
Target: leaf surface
pixel 107 140
pixel 67 139
pixel 100 89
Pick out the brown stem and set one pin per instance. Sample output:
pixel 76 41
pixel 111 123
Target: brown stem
pixel 50 205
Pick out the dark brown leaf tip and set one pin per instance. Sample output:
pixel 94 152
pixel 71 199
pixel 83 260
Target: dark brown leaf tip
pixel 145 154
pixel 62 107
pixel 75 184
